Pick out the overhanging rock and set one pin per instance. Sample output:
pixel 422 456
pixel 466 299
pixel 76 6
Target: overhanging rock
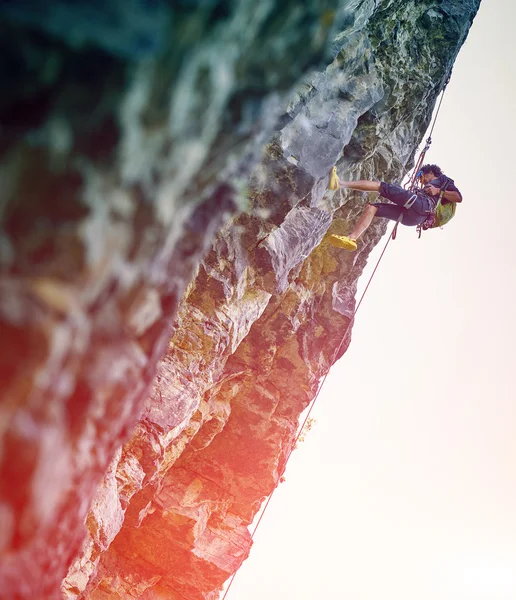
pixel 168 300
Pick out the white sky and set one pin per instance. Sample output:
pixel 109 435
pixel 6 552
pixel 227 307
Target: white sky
pixel 406 486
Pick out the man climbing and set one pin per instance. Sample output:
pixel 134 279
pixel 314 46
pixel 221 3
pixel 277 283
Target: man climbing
pixel 414 207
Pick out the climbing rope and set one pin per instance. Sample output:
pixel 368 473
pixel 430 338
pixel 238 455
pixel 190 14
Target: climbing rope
pixel 312 404
pixel 333 185
pixel 411 184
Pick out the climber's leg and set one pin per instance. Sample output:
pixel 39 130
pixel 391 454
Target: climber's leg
pixel 361 185
pixel 364 221
pixel 394 193
pixel 350 242
pixel 389 211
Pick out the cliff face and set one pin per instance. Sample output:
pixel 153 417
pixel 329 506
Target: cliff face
pixel 168 300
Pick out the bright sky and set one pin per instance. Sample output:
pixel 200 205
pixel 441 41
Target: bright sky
pixel 406 486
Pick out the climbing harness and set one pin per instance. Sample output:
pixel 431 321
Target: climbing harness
pixel 410 201
pixel 334 185
pixel 408 204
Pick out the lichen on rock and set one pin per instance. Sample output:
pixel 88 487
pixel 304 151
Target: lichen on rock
pixel 169 303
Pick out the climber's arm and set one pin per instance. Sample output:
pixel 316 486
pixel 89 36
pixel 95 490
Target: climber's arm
pixel 452 196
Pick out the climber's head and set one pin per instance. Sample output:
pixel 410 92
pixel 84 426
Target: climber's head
pixel 429 172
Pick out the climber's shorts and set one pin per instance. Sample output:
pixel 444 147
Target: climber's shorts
pixel 414 215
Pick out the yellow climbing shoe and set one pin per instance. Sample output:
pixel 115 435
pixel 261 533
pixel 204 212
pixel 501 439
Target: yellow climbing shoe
pixel 341 241
pixel 334 180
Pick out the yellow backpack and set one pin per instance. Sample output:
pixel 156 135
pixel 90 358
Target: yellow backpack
pixel 444 212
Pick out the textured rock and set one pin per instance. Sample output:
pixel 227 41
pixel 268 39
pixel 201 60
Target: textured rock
pixel 165 277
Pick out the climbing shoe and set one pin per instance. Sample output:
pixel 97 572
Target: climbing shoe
pixel 334 180
pixel 341 241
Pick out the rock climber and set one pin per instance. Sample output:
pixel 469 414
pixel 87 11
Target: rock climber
pixel 416 207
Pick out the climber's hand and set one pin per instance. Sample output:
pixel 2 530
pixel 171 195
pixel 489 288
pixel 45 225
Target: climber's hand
pixel 432 190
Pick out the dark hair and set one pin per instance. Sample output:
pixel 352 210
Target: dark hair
pixel 431 168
